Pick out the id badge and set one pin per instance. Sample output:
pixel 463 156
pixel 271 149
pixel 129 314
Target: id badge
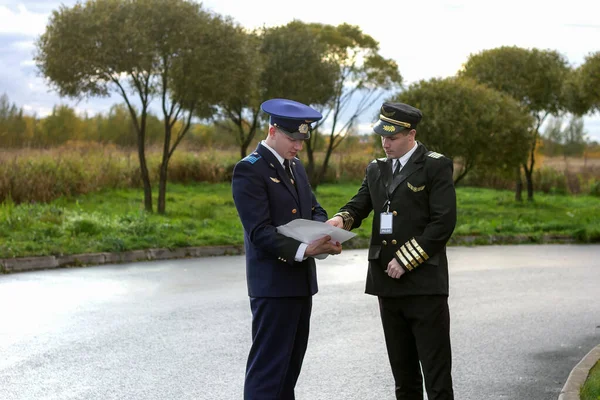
pixel 385 227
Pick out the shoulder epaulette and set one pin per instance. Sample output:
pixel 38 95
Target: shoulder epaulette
pixel 252 158
pixel 433 154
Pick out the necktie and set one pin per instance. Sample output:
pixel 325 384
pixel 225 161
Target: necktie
pixel 286 166
pixel 397 169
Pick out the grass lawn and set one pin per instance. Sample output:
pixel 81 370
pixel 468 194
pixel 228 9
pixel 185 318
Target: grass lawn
pixel 591 387
pixel 204 214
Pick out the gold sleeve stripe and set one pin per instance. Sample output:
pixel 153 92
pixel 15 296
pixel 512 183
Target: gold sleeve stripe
pixel 414 252
pixel 404 261
pixel 419 249
pixel 409 256
pixel 347 218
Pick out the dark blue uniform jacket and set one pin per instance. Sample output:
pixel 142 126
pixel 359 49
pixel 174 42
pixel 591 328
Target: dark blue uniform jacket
pixel 265 198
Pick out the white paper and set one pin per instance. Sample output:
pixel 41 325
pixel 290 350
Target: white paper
pixel 306 231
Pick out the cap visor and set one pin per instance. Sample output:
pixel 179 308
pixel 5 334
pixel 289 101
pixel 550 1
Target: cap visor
pixel 295 135
pixel 386 129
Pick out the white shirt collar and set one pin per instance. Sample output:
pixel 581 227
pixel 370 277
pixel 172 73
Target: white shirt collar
pixel 276 154
pixel 404 158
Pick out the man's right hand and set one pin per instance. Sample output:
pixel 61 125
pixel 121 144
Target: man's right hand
pixel 323 246
pixel 337 221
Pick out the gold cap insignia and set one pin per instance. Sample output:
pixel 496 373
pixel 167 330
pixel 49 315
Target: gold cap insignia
pixel 389 128
pixel 303 128
pixel 387 114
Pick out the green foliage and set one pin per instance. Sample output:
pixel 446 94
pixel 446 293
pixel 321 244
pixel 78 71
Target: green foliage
pixel 591 387
pixel 469 122
pixel 489 213
pixel 45 175
pixel 567 141
pixel 582 86
pixel 60 126
pixel 361 73
pixel 284 62
pixel 595 188
pixel 171 49
pixel 204 214
pixel 295 65
pixel 533 77
pixel 12 124
pixel 549 180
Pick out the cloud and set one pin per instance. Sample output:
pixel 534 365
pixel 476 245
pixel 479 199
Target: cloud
pixel 24 45
pixel 21 21
pixel 27 63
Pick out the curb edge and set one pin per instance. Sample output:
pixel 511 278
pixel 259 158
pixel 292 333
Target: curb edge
pixel 36 263
pixel 22 264
pixel 579 374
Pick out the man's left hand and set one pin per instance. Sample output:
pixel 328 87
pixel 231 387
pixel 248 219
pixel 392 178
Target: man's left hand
pixel 394 270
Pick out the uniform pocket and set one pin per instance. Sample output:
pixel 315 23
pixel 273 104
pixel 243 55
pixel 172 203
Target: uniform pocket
pixel 374 252
pixel 435 260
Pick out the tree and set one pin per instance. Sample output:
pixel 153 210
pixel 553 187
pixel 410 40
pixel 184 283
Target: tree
pixel 589 75
pixel 581 89
pixel 535 78
pixel 116 127
pixel 60 126
pixel 469 122
pixel 568 141
pixel 362 76
pixel 285 62
pixel 13 124
pixel 172 50
pixel 552 136
pixel 574 137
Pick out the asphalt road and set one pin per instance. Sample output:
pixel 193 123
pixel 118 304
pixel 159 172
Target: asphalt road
pixel 522 317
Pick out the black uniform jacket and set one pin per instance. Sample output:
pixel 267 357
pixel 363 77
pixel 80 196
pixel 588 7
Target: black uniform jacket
pixel 423 204
pixel 265 198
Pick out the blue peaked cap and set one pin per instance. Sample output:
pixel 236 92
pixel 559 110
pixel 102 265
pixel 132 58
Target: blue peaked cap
pixel 291 117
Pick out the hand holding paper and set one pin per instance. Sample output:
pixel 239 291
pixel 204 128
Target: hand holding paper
pixel 321 248
pixel 323 239
pixel 307 231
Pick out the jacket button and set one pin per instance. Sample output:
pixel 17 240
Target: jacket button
pixel 394 213
pixel 294 211
pixel 384 242
pixel 394 241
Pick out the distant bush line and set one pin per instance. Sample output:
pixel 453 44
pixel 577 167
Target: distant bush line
pixel 28 176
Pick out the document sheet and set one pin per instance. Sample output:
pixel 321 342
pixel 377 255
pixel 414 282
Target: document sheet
pixel 306 231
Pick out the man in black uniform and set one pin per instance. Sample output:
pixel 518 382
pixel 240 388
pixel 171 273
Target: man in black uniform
pixel 411 192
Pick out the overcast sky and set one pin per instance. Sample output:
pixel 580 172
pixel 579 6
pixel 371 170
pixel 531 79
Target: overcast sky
pixel 427 38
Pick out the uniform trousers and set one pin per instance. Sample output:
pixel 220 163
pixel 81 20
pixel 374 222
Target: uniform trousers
pixel 417 328
pixel 280 327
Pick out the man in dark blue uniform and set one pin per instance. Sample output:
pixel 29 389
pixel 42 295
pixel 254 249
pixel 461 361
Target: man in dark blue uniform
pixel 270 188
pixel 411 192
